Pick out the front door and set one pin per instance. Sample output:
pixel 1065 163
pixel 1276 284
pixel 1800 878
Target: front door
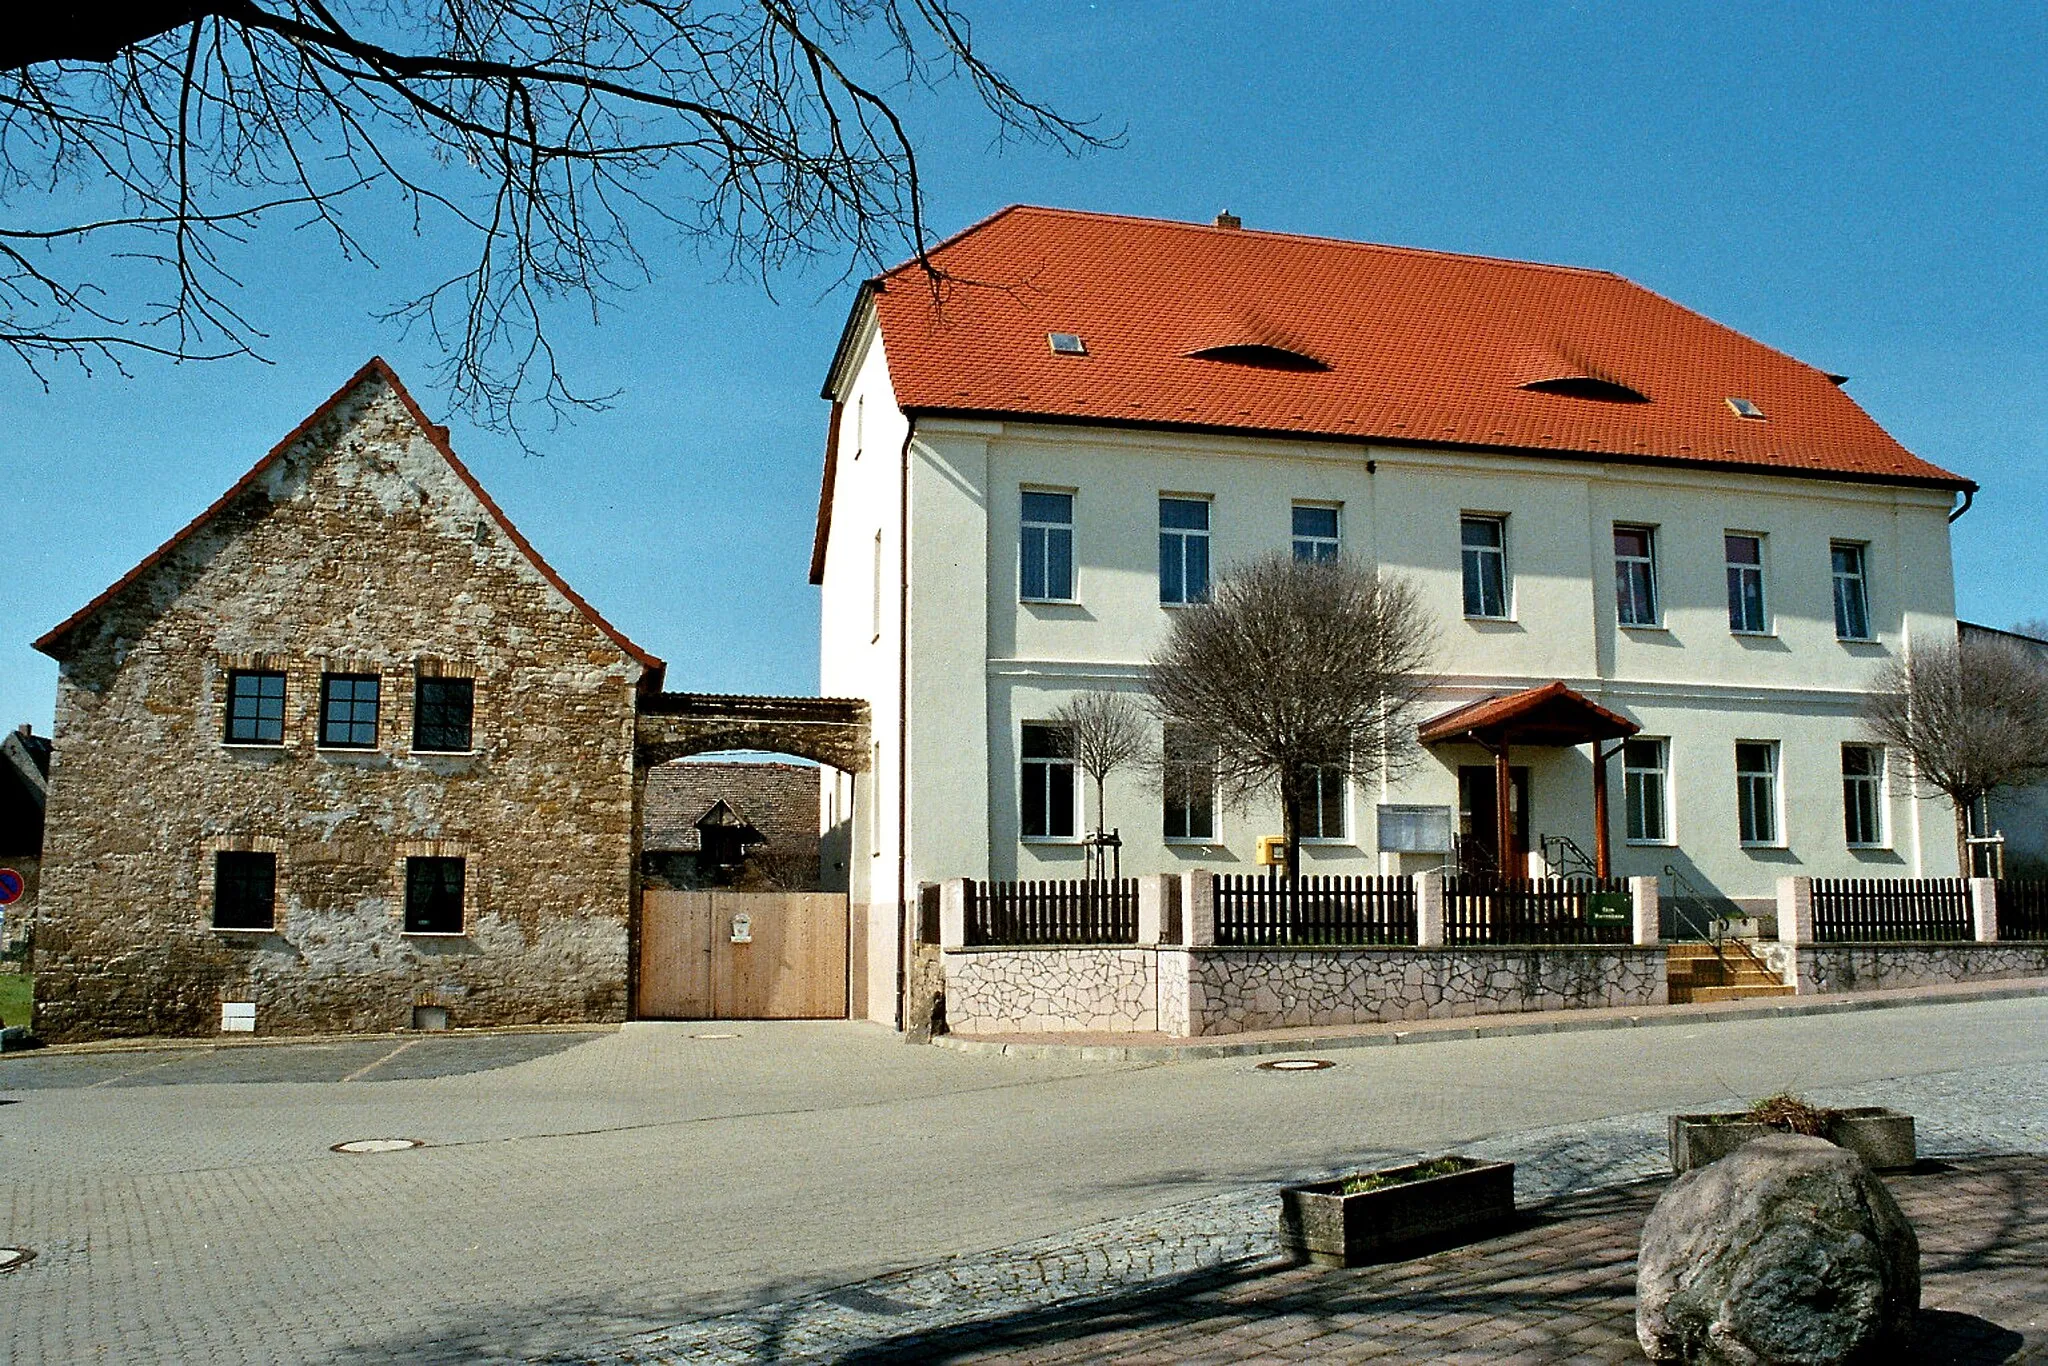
pixel 1478 821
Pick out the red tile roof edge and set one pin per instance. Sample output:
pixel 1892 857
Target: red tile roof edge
pixel 1682 462
pixel 1488 711
pixel 653 669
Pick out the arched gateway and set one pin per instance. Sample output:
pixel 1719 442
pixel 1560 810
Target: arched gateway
pixel 726 954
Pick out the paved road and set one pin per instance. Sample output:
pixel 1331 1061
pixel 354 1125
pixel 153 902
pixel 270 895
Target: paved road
pixel 597 1187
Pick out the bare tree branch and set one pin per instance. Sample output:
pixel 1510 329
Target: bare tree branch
pixel 536 140
pixel 1295 666
pixel 1103 732
pixel 1971 717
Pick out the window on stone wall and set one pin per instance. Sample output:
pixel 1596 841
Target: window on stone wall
pixel 348 711
pixel 244 891
pixel 255 708
pixel 433 895
pixel 442 710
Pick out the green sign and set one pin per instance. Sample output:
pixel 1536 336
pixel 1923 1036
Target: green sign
pixel 1608 908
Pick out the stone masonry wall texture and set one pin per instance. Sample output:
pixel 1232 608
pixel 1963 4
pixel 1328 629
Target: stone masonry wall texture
pixel 1874 967
pixel 1005 991
pixel 359 549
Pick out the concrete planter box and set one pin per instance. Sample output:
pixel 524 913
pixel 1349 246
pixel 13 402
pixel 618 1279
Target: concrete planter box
pixel 1331 1228
pixel 1883 1138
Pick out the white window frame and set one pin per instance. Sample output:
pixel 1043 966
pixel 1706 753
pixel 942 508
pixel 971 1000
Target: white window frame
pixel 1185 535
pixel 1323 775
pixel 1631 775
pixel 1499 554
pixel 1167 802
pixel 1024 765
pixel 1316 545
pixel 1026 527
pixel 1878 785
pixel 1861 580
pixel 1759 570
pixel 1649 563
pixel 1775 775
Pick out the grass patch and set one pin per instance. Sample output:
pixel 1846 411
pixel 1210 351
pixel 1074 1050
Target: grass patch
pixel 15 988
pixel 1373 1181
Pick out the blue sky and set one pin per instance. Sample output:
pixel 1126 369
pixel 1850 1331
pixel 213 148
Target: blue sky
pixel 1860 186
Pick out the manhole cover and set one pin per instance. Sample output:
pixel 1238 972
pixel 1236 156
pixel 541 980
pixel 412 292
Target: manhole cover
pixel 1296 1065
pixel 378 1145
pixel 714 1036
pixel 12 1257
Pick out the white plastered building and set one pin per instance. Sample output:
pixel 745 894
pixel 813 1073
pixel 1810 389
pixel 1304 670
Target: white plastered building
pixel 1033 455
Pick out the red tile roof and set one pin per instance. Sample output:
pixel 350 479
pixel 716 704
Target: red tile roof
pixel 654 669
pixel 1421 347
pixel 1553 714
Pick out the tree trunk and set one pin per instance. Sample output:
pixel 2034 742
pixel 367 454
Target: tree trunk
pixel 1963 838
pixel 1290 821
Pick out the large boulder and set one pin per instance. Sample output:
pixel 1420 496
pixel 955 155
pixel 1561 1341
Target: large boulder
pixel 1786 1252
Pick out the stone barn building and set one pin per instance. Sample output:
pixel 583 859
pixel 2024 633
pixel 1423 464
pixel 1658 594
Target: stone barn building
pixel 746 826
pixel 343 754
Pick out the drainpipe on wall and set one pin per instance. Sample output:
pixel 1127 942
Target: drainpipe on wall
pixel 903 720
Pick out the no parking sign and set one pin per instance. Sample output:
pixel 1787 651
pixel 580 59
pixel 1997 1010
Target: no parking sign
pixel 12 885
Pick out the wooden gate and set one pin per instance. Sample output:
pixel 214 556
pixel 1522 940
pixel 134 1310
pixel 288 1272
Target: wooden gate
pixel 742 956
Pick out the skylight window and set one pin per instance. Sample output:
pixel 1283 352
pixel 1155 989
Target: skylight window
pixel 1744 408
pixel 1066 344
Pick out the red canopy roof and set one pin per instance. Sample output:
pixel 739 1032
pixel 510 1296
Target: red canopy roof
pixel 1550 715
pixel 1395 344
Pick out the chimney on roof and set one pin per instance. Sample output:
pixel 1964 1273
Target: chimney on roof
pixel 1227 219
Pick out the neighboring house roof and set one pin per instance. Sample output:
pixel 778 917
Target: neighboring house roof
pixel 1966 629
pixel 777 802
pixel 24 790
pixel 1199 327
pixel 51 642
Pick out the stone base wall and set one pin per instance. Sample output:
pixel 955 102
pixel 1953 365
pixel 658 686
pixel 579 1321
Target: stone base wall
pixel 1230 991
pixel 1051 990
pixel 1873 967
pixel 1190 992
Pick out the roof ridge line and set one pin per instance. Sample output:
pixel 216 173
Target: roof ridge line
pixel 1317 238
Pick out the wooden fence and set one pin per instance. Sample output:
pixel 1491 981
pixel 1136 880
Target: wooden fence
pixel 2022 911
pixel 1081 911
pixel 1861 910
pixel 1480 910
pixel 1314 910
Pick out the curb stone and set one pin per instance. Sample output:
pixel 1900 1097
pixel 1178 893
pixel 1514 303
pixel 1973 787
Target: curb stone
pixel 1307 1041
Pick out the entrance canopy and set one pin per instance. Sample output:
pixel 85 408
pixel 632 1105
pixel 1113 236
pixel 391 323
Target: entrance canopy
pixel 1550 715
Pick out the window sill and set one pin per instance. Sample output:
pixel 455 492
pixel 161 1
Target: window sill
pixel 241 929
pixel 1644 626
pixel 347 749
pixel 435 934
pixel 1753 635
pixel 259 746
pixel 1328 842
pixel 1649 844
pixel 444 753
pixel 1202 602
pixel 1049 602
pixel 1770 847
pixel 1193 842
pixel 1870 849
pixel 1057 841
pixel 1857 640
pixel 1478 620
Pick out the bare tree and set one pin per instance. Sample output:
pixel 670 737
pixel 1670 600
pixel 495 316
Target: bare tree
pixel 150 148
pixel 1971 717
pixel 1104 731
pixel 1293 667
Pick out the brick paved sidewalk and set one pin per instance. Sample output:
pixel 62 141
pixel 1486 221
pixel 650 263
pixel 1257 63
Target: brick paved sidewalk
pixel 1092 1046
pixel 1560 1289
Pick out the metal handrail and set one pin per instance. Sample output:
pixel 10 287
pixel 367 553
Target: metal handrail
pixel 1571 860
pixel 1716 928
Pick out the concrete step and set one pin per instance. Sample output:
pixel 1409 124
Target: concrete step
pixel 1739 993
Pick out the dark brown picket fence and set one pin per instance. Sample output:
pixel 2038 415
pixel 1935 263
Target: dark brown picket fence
pixel 1482 910
pixel 1272 910
pixel 1080 911
pixel 1871 910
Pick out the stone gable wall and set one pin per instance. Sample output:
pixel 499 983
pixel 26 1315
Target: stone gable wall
pixel 358 551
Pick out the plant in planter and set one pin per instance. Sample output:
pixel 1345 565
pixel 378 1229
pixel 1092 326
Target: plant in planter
pixel 1367 1216
pixel 1883 1138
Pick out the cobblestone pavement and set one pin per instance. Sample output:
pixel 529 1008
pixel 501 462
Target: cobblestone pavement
pixel 719 1192
pixel 1155 1287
